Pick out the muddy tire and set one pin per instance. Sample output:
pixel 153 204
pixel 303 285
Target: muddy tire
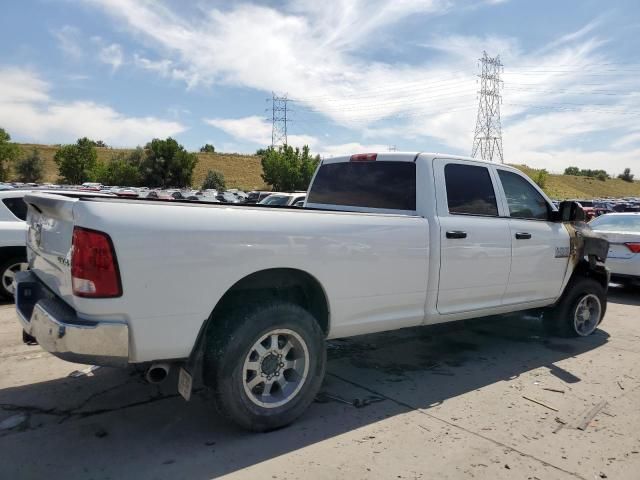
pixel 579 311
pixel 265 364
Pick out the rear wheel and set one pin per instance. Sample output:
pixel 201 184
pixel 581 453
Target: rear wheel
pixel 579 311
pixel 8 270
pixel 265 364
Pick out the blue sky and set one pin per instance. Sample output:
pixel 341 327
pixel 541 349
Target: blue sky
pixel 362 75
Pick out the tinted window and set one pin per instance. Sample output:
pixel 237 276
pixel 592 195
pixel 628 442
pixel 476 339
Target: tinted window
pixel 387 185
pixel 17 207
pixel 469 190
pixel 524 200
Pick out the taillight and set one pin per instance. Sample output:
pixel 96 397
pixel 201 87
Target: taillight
pixel 634 247
pixel 94 268
pixel 364 157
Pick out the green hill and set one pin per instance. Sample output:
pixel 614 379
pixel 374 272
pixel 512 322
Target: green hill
pixel 240 171
pixel 571 186
pixel 243 171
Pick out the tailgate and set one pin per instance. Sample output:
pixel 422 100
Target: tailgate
pixel 50 221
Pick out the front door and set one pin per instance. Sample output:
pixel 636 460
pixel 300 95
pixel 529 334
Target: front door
pixel 540 248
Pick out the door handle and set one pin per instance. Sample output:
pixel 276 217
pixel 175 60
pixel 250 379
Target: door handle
pixel 456 234
pixel 523 236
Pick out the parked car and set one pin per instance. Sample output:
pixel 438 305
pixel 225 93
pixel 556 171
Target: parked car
pixel 623 232
pixel 256 196
pixel 13 251
pixel 283 199
pixel 390 241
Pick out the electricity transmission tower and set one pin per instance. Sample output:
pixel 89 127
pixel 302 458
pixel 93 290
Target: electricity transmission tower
pixel 278 120
pixel 487 139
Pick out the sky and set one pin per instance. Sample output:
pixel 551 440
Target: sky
pixel 360 76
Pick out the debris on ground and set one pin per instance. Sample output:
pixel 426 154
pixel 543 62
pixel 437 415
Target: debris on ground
pixel 540 402
pixel 590 414
pixel 556 390
pixel 85 372
pixel 324 397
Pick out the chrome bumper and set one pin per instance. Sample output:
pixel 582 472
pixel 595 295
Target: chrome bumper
pixel 58 330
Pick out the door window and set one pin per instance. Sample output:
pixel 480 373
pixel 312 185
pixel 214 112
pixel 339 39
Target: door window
pixel 524 200
pixel 469 190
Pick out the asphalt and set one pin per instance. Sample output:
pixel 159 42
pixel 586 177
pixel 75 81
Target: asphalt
pixel 479 399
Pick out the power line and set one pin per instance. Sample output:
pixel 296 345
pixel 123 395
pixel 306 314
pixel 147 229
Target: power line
pixel 487 139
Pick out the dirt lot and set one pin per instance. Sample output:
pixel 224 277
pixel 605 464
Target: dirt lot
pixel 437 402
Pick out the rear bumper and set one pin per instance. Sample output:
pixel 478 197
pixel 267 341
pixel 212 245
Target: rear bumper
pixel 58 330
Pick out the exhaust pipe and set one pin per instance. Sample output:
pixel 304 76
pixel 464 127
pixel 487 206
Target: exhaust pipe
pixel 157 372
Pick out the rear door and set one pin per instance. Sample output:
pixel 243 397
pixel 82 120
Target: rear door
pixel 540 248
pixel 475 241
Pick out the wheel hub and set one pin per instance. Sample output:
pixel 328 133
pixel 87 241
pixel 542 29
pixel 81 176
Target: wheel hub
pixel 275 368
pixel 270 365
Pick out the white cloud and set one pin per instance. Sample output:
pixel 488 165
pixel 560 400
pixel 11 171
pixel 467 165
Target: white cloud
pixel 31 114
pixel 315 54
pixel 256 130
pixel 69 41
pixel 112 55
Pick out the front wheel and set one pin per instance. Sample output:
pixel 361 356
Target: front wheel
pixel 579 311
pixel 265 365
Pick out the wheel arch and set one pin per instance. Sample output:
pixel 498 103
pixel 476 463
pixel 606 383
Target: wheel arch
pixel 289 284
pixel 584 269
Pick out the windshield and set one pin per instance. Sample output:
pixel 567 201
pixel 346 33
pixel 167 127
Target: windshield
pixel 275 200
pixel 617 223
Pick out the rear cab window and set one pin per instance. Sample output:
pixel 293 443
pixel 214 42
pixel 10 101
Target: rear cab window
pixel 386 186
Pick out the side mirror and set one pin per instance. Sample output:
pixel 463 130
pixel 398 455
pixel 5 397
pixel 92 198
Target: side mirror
pixel 569 212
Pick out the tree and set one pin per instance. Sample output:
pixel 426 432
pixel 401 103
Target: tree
pixel 29 168
pixel 602 176
pixel 207 148
pixel 541 178
pixel 77 162
pixel 8 153
pixel 214 180
pixel 122 169
pixel 166 163
pixel 100 143
pixel 627 176
pixel 572 171
pixel 287 168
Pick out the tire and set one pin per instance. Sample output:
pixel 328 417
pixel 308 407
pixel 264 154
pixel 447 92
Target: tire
pixel 579 311
pixel 241 362
pixel 8 268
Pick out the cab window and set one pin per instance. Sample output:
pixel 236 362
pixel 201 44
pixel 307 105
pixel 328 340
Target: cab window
pixel 524 200
pixel 470 190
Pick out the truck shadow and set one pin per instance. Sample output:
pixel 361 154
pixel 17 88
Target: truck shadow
pixel 79 426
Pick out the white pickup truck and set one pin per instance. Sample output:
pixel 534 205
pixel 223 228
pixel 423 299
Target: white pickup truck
pixel 245 296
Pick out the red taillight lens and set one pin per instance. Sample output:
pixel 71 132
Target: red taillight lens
pixel 364 157
pixel 634 247
pixel 94 268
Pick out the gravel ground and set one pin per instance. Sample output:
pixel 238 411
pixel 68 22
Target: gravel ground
pixel 481 399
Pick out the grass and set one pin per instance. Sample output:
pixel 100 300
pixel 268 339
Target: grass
pixel 240 171
pixel 571 186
